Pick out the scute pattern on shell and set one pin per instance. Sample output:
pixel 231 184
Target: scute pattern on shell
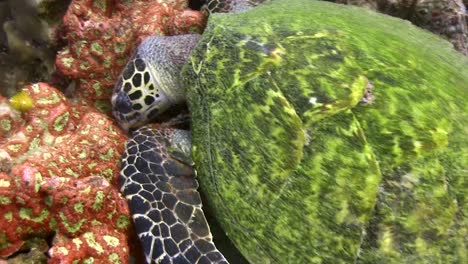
pixel 361 181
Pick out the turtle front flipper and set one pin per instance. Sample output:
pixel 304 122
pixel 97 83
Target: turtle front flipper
pixel 157 180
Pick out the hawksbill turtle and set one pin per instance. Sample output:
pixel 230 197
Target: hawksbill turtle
pixel 320 133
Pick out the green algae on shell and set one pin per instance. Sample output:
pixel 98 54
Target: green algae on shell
pixel 297 169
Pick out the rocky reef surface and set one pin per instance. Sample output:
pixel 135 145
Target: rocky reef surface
pixel 58 180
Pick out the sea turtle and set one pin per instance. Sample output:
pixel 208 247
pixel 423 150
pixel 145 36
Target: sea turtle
pixel 320 133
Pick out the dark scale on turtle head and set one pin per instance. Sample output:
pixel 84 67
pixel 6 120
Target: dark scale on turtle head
pixel 139 64
pixel 137 107
pixel 128 72
pixel 156 168
pixel 127 87
pixel 146 77
pixel 136 80
pixel 197 225
pixel 135 95
pixel 149 100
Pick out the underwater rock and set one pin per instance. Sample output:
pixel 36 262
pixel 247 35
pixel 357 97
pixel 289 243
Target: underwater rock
pixel 447 18
pixel 33 253
pixel 101 35
pixel 59 165
pixel 27 51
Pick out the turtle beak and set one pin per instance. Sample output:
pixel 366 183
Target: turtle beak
pixel 121 110
pixel 121 103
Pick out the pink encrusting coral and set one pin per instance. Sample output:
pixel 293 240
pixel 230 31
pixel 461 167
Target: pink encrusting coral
pixel 101 35
pixel 59 165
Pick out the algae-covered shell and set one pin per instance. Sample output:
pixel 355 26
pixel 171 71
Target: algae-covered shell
pixel 298 168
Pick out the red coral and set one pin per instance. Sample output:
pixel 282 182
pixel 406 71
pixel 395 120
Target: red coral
pixel 103 33
pixel 10 119
pixel 59 165
pixel 103 246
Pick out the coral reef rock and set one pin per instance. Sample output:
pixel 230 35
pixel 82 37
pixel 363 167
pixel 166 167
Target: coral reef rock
pixel 59 165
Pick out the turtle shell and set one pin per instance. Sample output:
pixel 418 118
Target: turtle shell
pixel 331 134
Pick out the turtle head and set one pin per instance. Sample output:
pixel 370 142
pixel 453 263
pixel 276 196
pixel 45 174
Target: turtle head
pixel 150 82
pixel 138 96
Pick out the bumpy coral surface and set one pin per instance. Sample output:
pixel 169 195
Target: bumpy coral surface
pixel 58 178
pixel 101 35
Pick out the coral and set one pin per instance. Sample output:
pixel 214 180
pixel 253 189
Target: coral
pixel 10 119
pixel 89 247
pixel 101 35
pixel 58 175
